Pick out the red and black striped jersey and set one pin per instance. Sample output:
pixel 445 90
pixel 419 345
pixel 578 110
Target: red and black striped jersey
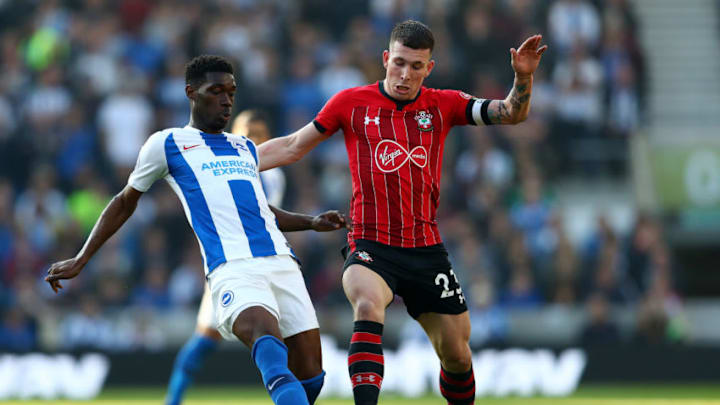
pixel 395 151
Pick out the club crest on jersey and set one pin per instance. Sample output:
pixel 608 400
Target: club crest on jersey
pixel 424 121
pixel 375 120
pixel 238 145
pixel 364 256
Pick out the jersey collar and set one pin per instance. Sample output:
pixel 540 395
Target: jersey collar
pixel 400 104
pixel 188 126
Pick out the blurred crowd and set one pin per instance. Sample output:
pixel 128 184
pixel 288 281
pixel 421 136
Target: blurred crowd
pixel 85 82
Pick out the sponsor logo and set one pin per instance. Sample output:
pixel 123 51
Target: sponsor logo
pixel 465 95
pixel 185 147
pixel 227 298
pixel 230 167
pixel 364 256
pixel 391 156
pixel 375 120
pixel 424 121
pixel 274 383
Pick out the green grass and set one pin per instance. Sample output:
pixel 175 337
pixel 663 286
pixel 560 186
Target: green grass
pixel 586 395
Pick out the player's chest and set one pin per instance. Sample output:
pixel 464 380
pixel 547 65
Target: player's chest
pixel 414 126
pixel 218 162
pixel 392 138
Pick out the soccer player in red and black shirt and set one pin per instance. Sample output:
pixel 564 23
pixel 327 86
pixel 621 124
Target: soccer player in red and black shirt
pixel 395 131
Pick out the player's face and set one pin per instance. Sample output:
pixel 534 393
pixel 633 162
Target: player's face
pixel 213 101
pixel 406 69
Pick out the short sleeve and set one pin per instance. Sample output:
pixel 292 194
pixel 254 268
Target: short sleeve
pixel 464 109
pixel 329 119
pixel 151 164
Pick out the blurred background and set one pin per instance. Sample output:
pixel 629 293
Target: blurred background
pixel 595 223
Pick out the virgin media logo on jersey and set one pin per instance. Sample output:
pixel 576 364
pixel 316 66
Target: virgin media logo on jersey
pixel 391 156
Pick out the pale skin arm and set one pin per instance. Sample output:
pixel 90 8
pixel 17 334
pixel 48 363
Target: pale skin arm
pixel 289 149
pixel 516 106
pixel 120 208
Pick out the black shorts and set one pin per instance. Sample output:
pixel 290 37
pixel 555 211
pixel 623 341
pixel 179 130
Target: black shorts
pixel 422 276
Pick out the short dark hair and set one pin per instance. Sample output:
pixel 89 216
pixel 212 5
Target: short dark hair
pixel 413 34
pixel 195 69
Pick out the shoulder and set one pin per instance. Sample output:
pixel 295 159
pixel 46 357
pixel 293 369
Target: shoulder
pixel 162 135
pixel 447 94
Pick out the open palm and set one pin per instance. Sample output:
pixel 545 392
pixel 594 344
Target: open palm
pixel 526 58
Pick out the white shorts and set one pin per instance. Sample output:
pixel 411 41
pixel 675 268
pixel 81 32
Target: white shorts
pixel 273 282
pixel 206 314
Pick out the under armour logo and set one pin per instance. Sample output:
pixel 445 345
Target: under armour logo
pixel 375 120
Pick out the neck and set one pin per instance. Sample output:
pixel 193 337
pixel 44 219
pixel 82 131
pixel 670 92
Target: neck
pixel 195 123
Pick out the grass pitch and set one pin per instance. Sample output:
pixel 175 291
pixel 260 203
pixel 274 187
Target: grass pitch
pixel 586 395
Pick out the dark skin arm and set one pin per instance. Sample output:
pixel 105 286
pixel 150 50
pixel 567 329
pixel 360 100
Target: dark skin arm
pixel 120 208
pixel 325 222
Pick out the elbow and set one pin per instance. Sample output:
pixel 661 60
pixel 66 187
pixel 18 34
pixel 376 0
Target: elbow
pixel 520 117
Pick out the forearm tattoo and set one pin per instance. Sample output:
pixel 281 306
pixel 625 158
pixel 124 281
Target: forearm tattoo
pixel 498 112
pixel 519 96
pixel 517 104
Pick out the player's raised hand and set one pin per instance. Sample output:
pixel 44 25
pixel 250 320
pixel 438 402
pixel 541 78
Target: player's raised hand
pixel 526 58
pixel 63 270
pixel 330 221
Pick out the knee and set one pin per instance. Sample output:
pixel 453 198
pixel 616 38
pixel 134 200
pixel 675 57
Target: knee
pixel 367 309
pixel 306 369
pixel 208 332
pixel 456 359
pixel 250 328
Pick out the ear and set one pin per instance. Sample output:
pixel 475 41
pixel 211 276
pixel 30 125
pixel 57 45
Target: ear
pixel 190 92
pixel 430 67
pixel 386 58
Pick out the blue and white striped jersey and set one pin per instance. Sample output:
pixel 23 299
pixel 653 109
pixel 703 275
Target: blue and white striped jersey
pixel 216 178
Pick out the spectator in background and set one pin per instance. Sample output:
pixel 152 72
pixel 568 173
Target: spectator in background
pixel 124 119
pixel 88 199
pixel 18 332
pixel 40 211
pixel 652 323
pixel 339 75
pixel 153 292
pixel 573 21
pixel 78 149
pixel 185 286
pixel 88 328
pixel 8 231
pixel 521 292
pixel 599 329
pixel 531 215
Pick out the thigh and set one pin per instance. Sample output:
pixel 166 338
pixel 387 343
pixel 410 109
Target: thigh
pixel 305 354
pixel 253 322
pixel 369 279
pixel 449 335
pixel 296 310
pixel 206 315
pixel 431 291
pixel 361 282
pixel 236 286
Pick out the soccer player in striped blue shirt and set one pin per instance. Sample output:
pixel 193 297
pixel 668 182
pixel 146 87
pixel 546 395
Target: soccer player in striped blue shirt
pixel 258 293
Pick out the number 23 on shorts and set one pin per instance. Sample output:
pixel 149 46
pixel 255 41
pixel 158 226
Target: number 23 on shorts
pixel 444 281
